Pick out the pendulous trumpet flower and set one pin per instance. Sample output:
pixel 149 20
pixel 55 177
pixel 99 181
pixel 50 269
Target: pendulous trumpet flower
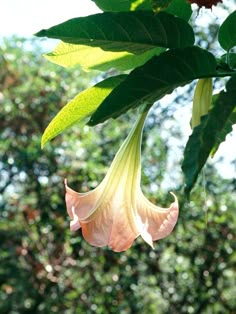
pixel 116 212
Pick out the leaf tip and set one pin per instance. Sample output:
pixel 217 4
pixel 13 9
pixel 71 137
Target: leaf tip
pixel 44 141
pixel 91 122
pixel 41 33
pixel 42 144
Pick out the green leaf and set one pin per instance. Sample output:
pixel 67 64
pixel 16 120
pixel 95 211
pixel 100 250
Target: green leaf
pixel 82 106
pixel 206 135
pixel 123 5
pixel 134 32
pixel 180 8
pixel 227 33
pixel 228 128
pixel 228 61
pixel 128 49
pixel 158 77
pixel 94 58
pixel 160 5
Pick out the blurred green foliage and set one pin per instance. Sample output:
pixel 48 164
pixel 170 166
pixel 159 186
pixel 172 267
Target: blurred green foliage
pixel 44 268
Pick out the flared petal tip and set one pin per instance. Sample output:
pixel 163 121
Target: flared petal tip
pixel 158 223
pixel 148 239
pixel 175 199
pixel 74 225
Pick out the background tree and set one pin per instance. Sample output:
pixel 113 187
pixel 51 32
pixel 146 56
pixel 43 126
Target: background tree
pixel 45 268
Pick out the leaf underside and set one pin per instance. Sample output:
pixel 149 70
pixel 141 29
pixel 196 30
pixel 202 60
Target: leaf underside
pixel 82 106
pixel 69 55
pixel 205 137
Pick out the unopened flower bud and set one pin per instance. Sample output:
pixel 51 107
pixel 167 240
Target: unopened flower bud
pixel 201 100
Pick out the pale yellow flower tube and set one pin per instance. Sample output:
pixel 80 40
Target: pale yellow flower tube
pixel 117 212
pixel 201 100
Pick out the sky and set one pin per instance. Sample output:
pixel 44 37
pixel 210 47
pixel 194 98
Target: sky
pixel 26 17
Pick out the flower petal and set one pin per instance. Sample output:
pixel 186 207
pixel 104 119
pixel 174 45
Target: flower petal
pixel 156 222
pixel 112 227
pixel 79 205
pixel 109 224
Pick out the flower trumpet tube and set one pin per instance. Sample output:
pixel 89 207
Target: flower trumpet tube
pixel 116 212
pixel 201 100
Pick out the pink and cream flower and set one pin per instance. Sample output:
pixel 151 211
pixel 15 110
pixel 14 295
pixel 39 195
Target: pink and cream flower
pixel 116 212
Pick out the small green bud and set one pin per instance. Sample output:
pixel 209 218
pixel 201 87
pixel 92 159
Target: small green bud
pixel 201 100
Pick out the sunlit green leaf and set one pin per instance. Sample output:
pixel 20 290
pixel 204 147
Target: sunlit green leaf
pixel 227 33
pixel 94 58
pixel 206 135
pixel 158 77
pixel 82 106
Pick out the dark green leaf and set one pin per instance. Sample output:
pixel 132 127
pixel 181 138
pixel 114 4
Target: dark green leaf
pixel 82 106
pixel 158 77
pixel 135 32
pixel 123 5
pixel 228 61
pixel 227 33
pixel 228 127
pixel 160 5
pixel 206 135
pixel 180 8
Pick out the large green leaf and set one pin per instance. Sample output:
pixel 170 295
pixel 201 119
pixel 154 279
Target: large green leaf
pixel 82 106
pixel 133 32
pixel 227 32
pixel 94 58
pixel 128 50
pixel 158 77
pixel 206 135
